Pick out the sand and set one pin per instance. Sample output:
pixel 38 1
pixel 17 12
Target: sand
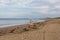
pixel 47 30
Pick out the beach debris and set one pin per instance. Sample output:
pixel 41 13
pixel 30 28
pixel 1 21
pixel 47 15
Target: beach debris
pixel 25 29
pixel 32 24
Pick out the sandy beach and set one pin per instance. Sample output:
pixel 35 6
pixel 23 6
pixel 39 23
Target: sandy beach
pixel 47 30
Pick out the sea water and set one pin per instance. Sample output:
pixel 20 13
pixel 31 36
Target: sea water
pixel 7 23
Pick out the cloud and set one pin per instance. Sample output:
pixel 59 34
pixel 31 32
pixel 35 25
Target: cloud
pixel 2 1
pixel 44 11
pixel 40 7
pixel 13 14
pixel 44 6
pixel 57 6
pixel 52 1
pixel 25 3
pixel 19 3
pixel 28 6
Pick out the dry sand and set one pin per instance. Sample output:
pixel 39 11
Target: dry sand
pixel 47 30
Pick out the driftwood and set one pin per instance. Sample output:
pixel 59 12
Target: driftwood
pixel 32 24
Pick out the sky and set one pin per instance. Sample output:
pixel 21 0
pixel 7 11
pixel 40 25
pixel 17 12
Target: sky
pixel 29 8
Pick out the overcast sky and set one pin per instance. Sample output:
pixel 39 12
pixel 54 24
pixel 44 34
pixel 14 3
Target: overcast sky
pixel 29 8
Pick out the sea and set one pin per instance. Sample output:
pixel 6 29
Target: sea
pixel 6 22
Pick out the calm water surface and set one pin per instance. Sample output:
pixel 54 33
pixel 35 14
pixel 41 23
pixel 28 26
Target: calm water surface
pixel 5 23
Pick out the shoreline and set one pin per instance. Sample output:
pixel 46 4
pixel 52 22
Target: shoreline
pixel 9 25
pixel 19 28
pixel 3 26
pixel 39 31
